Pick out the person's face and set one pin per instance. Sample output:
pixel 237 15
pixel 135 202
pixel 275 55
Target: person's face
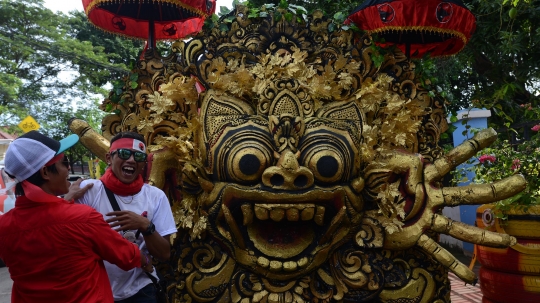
pixel 124 166
pixel 58 183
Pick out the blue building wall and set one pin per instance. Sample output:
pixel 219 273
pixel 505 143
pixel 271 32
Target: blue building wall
pixel 476 119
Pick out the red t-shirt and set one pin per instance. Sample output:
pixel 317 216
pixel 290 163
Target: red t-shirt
pixel 55 252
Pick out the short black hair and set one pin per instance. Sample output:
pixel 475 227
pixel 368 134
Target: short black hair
pixel 35 179
pixel 130 135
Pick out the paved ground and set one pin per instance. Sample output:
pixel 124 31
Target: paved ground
pixel 5 286
pixel 460 292
pixel 463 293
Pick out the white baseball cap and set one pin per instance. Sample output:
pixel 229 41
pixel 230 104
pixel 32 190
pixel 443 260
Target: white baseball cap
pixel 30 152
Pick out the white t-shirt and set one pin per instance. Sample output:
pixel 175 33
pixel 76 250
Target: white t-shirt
pixel 151 200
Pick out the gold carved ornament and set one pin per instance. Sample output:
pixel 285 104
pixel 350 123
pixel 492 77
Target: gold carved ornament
pixel 298 171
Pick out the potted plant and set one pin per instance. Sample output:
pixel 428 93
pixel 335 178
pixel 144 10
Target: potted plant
pixel 512 273
pixel 504 159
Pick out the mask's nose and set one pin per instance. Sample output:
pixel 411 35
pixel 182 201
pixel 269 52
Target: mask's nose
pixel 288 174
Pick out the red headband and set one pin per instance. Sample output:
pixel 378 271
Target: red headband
pixel 55 159
pixel 128 143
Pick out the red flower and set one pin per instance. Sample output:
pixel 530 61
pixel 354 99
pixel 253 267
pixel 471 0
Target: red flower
pixel 516 164
pixel 485 158
pixel 536 128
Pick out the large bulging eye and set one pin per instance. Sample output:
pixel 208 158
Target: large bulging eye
pixel 247 163
pixel 242 154
pixel 329 154
pixel 325 163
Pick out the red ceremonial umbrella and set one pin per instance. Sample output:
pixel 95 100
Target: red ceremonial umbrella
pixel 150 19
pixel 417 27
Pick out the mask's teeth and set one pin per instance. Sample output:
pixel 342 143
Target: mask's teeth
pixel 233 227
pixel 288 266
pixel 277 214
pixel 280 212
pixel 293 214
pixel 261 213
pixel 303 262
pixel 247 211
pixel 276 265
pixel 307 213
pixel 319 215
pixel 263 262
pixel 334 225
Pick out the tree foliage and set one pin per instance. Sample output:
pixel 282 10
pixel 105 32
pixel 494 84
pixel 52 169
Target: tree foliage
pixel 45 69
pixel 329 7
pixel 119 50
pixel 36 49
pixel 500 67
pixel 54 66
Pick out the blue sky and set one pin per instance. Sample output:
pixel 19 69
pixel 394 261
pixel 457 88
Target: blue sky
pixel 68 5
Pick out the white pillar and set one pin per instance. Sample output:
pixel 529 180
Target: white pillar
pixel 3 147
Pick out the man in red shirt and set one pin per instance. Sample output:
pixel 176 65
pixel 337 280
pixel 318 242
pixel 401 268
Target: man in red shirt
pixel 54 249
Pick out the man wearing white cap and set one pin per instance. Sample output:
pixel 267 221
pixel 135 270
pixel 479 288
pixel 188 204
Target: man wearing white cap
pixel 54 249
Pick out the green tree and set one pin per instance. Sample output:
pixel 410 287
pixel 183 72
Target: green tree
pixel 54 67
pixel 329 7
pixel 54 124
pixel 119 50
pixel 40 61
pixel 500 67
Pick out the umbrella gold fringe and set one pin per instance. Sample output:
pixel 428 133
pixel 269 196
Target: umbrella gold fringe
pixel 421 29
pixel 132 37
pixel 95 3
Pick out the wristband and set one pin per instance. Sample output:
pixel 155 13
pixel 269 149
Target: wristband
pixel 146 257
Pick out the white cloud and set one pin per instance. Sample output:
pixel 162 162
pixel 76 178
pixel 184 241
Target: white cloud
pixel 66 6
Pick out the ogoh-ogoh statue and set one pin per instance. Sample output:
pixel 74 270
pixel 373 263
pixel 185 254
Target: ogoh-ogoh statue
pixel 298 169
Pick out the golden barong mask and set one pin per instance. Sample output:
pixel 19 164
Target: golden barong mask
pixel 282 178
pixel 301 171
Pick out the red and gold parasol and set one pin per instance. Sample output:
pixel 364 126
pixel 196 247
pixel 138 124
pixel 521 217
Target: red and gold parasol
pixel 149 19
pixel 417 27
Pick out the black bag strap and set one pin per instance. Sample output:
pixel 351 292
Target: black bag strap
pixel 116 207
pixel 112 199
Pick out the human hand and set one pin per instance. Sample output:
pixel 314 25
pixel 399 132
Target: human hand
pixel 75 190
pixel 127 220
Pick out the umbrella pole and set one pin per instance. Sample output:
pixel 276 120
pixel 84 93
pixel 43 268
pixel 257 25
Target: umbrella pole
pixel 151 38
pixel 151 34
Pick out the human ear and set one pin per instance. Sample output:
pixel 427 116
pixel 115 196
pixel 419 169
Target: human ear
pixel 45 173
pixel 108 158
